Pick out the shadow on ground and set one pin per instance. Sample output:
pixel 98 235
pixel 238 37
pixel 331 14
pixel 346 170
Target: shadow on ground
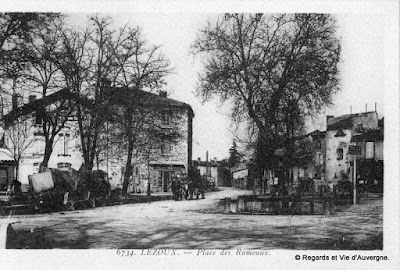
pixel 85 236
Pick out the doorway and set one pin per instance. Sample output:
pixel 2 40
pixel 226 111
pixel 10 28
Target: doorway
pixel 166 180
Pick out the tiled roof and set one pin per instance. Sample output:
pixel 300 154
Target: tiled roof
pixel 119 95
pixel 116 95
pixel 39 103
pixel 204 163
pixel 344 121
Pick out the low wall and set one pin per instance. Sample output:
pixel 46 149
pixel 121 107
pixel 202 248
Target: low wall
pixel 280 205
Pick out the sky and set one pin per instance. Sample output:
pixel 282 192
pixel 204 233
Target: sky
pixel 361 68
pixel 362 30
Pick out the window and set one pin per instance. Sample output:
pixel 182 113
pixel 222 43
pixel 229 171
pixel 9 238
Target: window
pixel 36 166
pixel 369 150
pixel 63 165
pixel 319 159
pixel 339 153
pixel 39 115
pixel 166 148
pixel 165 118
pixel 319 146
pixel 63 144
pixel 39 147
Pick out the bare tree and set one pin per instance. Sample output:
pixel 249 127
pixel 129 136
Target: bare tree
pixel 276 70
pixel 18 138
pixel 100 60
pixel 17 29
pixel 143 68
pixel 43 76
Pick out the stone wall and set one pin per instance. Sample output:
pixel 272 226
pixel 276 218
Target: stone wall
pixel 335 167
pixel 173 163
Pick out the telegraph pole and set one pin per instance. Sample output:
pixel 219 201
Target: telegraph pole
pixel 355 181
pixel 354 150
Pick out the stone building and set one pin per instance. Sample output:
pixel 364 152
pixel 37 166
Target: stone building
pixel 166 160
pixel 24 116
pixel 339 134
pixel 370 161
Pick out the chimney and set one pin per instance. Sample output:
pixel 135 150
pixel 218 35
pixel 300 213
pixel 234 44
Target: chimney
pixel 32 98
pixel 327 119
pixel 198 160
pixel 163 93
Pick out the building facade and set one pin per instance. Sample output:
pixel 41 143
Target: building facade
pixel 339 134
pixel 209 169
pixel 155 169
pixel 324 155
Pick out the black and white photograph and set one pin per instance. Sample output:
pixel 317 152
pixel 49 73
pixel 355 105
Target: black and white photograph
pixel 199 135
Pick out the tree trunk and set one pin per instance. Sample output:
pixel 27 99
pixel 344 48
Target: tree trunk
pixel 148 173
pixel 17 171
pixel 47 154
pixel 128 166
pixel 130 138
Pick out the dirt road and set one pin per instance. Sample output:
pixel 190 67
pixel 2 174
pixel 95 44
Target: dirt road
pixel 194 224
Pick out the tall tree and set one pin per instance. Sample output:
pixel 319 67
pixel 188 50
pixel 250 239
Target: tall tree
pixel 143 69
pixel 98 61
pixel 16 29
pixel 43 77
pixel 234 156
pixel 276 69
pixel 89 64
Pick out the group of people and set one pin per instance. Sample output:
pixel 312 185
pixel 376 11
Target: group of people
pixel 187 189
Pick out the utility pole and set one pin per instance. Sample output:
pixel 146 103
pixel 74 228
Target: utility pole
pixel 355 181
pixel 207 164
pixel 354 150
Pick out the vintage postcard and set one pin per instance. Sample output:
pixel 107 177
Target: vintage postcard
pixel 201 135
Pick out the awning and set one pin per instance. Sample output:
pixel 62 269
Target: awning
pixel 6 157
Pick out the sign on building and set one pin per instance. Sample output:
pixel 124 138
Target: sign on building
pixel 354 150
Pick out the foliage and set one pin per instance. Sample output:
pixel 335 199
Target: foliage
pixel 275 69
pixel 234 156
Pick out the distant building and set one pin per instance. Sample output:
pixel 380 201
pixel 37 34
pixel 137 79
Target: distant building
pixel 240 176
pixel 370 162
pixel 209 169
pixel 324 155
pixel 339 134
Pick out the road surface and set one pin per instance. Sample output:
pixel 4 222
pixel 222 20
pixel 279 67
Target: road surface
pixel 199 224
